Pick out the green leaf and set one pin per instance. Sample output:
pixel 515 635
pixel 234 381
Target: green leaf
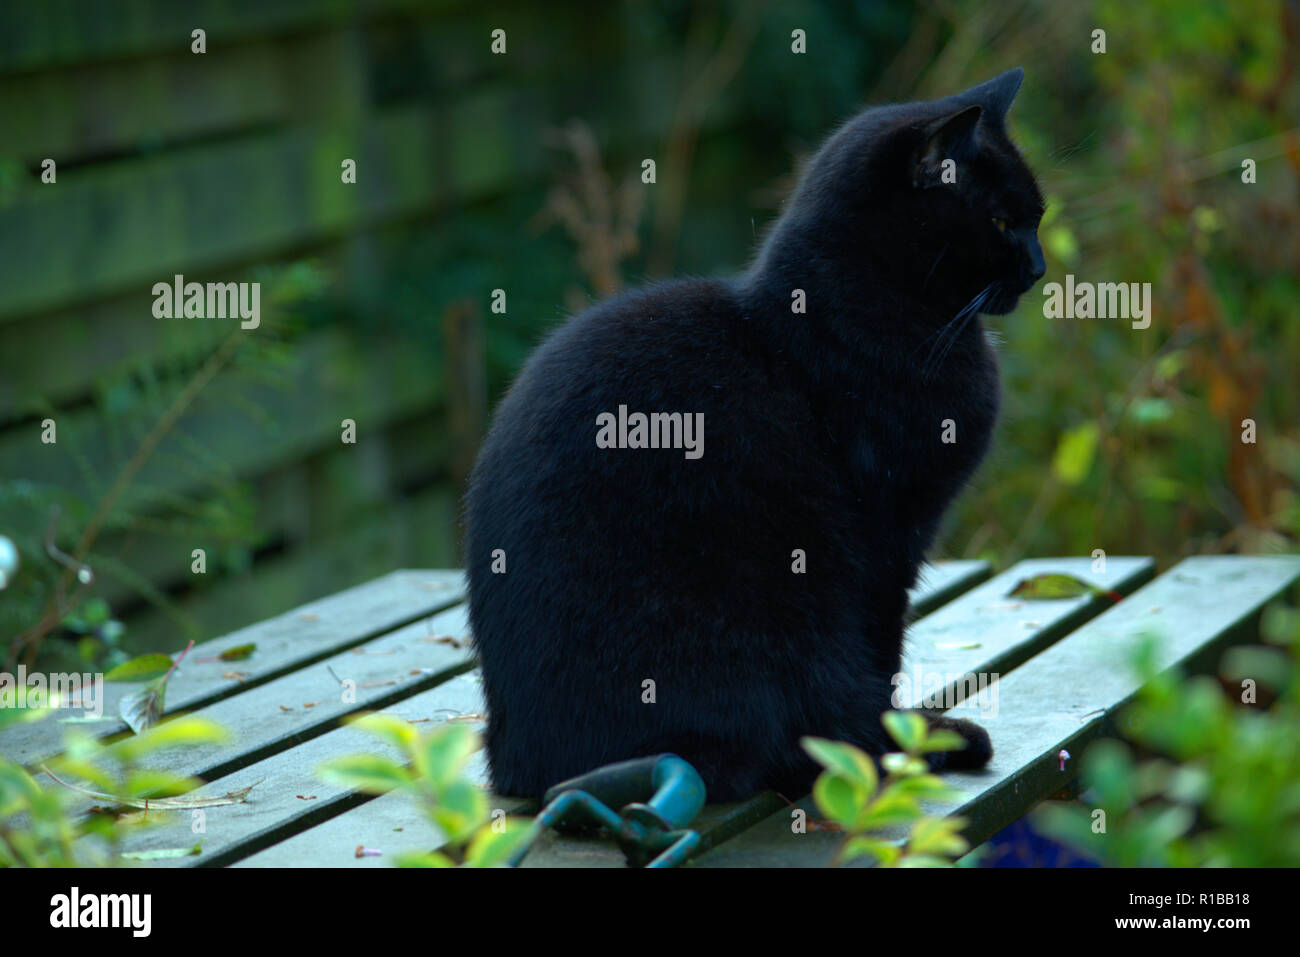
pixel 95 612
pixel 11 715
pixel 182 731
pixel 907 728
pixel 144 668
pixel 1061 243
pixel 87 771
pixel 885 852
pixel 239 652
pixel 1051 587
pixel 941 739
pixel 16 785
pixel 417 859
pixel 939 836
pixel 924 786
pixel 370 773
pixel 396 731
pixel 903 765
pixel 923 860
pixel 838 798
pixel 491 848
pixel 460 810
pixel 163 853
pixel 893 806
pixel 146 783
pixel 1074 453
pixel 845 760
pixel 444 753
pixel 1151 411
pixel 1108 768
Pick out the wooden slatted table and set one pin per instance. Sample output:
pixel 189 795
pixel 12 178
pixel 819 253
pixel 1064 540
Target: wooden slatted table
pixel 404 641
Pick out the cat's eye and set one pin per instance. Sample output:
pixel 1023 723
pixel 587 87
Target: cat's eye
pixel 1000 223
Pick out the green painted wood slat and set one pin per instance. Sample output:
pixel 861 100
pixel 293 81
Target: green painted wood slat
pixel 1064 697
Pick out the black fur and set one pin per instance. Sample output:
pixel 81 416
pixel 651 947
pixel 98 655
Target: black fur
pixel 822 432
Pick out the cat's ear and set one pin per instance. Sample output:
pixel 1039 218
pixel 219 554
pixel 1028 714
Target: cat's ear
pixel 997 94
pixel 950 137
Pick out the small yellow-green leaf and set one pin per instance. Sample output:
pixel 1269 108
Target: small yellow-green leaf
pixel 1074 453
pixel 923 786
pixel 444 751
pixel 941 739
pixel 370 773
pixel 396 731
pixel 461 809
pixel 923 860
pixel 1051 587
pixel 147 783
pixel 845 760
pixel 892 806
pixel 431 859
pixel 12 715
pixel 86 770
pixel 838 798
pixel 163 853
pixel 144 668
pixel 903 765
pixel 939 836
pixel 907 728
pixel 184 730
pixel 490 848
pixel 885 852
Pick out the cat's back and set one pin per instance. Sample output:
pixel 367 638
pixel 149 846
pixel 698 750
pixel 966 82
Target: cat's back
pixel 565 490
pixel 678 348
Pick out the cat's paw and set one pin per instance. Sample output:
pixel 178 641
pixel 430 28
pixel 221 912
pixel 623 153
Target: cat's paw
pixel 976 754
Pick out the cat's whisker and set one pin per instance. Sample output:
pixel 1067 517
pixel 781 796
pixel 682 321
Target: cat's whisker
pixel 958 325
pixel 935 266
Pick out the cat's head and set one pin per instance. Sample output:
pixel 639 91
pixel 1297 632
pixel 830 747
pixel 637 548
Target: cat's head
pixel 936 194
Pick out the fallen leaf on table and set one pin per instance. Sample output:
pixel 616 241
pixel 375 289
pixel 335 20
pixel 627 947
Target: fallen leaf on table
pixel 1055 586
pixel 163 853
pixel 238 653
pixel 160 804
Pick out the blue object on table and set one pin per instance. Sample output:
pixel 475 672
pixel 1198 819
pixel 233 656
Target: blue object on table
pixel 657 796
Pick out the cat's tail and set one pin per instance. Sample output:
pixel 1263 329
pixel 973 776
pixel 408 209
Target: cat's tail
pixel 976 754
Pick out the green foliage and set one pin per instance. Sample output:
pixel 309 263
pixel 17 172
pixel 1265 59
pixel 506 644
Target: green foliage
pixel 1201 779
pixel 116 436
pixel 1124 438
pixel 433 776
pixel 40 828
pixel 851 794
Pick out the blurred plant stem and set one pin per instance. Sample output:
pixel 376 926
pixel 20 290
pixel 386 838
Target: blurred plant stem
pixel 28 643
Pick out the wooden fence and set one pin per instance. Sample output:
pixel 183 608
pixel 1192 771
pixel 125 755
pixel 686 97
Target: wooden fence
pixel 216 165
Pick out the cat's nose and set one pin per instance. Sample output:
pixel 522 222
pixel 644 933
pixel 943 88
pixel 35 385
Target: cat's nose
pixel 1037 268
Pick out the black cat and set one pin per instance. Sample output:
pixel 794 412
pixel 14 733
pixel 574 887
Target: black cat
pixel 720 583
